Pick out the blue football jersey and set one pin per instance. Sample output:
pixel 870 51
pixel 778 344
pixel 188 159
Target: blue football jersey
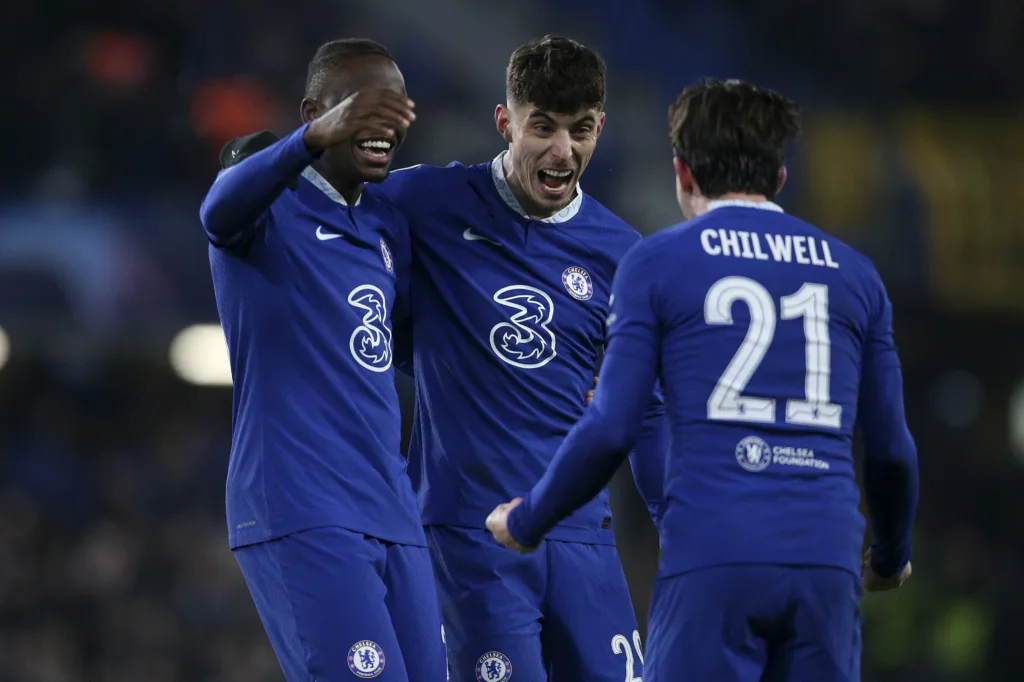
pixel 763 322
pixel 771 340
pixel 508 318
pixel 306 292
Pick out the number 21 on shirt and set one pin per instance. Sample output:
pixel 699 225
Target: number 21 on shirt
pixel 810 302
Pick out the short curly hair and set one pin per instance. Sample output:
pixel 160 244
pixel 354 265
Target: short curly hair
pixel 331 55
pixel 733 135
pixel 556 74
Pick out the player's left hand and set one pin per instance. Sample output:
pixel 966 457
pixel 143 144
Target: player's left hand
pixel 497 523
pixel 590 393
pixel 876 583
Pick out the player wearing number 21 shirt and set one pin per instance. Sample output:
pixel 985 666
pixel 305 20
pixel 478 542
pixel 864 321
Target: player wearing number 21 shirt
pixel 772 340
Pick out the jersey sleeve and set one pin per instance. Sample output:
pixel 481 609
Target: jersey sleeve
pixel 647 460
pixel 410 190
pixel 601 440
pixel 235 207
pixel 890 457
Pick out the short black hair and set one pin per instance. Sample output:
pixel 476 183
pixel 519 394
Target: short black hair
pixel 331 55
pixel 556 74
pixel 733 135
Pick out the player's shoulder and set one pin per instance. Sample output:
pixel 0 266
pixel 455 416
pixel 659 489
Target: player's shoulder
pixel 420 188
pixel 375 199
pixel 596 214
pixel 605 228
pixel 670 242
pixel 424 176
pixel 856 266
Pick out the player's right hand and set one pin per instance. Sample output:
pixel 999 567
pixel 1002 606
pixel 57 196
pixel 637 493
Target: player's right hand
pixel 370 113
pixel 875 583
pixel 590 393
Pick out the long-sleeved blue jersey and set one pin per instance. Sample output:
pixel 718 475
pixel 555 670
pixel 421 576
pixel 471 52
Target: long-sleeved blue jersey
pixel 508 318
pixel 771 340
pixel 306 286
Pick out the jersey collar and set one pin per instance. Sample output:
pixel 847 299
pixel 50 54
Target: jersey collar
pixel 501 184
pixel 762 205
pixel 320 182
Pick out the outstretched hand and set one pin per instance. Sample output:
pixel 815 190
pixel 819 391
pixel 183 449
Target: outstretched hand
pixel 497 523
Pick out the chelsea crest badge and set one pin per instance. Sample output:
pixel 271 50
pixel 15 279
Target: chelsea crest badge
pixel 385 253
pixel 366 659
pixel 577 282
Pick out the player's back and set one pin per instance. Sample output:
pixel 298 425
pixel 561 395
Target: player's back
pixel 763 319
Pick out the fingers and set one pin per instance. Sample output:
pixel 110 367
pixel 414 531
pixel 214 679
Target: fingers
pixel 390 106
pixel 376 113
pixel 396 103
pixel 875 583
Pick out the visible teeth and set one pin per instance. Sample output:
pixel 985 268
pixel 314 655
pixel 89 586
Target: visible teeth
pixel 376 144
pixel 559 173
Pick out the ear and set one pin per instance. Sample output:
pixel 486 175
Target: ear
pixel 309 109
pixel 683 175
pixel 782 179
pixel 600 125
pixel 503 122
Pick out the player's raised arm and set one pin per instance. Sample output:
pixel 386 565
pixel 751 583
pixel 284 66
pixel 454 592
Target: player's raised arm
pixel 232 210
pixel 890 461
pixel 243 191
pixel 600 441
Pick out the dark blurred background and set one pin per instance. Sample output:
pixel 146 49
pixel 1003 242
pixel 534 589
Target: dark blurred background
pixel 114 565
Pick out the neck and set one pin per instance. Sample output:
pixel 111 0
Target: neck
pixel 515 184
pixel 701 204
pixel 349 189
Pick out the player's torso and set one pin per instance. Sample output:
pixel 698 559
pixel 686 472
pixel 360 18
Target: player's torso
pixel 307 315
pixel 508 317
pixel 761 365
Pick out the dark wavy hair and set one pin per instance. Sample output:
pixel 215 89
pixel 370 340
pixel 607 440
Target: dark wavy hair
pixel 733 135
pixel 556 74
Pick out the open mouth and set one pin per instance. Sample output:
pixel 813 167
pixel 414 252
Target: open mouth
pixel 555 182
pixel 377 151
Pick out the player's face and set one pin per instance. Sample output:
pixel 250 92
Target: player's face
pixel 549 152
pixel 352 160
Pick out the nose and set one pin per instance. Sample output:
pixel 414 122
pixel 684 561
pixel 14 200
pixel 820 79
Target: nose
pixel 561 146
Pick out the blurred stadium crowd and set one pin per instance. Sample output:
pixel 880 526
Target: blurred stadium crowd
pixel 114 564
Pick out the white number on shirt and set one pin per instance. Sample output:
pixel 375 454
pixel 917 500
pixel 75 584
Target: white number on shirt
pixel 811 303
pixel 620 645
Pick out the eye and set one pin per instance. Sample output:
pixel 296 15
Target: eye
pixel 583 131
pixel 543 128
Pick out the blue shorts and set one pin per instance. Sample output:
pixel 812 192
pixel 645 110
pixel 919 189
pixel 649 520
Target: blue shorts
pixel 754 622
pixel 338 605
pixel 564 610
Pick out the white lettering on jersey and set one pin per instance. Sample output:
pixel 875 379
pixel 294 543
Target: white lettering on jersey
pixel 370 342
pixel 524 341
pixel 787 248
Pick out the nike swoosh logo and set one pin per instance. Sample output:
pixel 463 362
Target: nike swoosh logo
pixel 470 236
pixel 324 236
